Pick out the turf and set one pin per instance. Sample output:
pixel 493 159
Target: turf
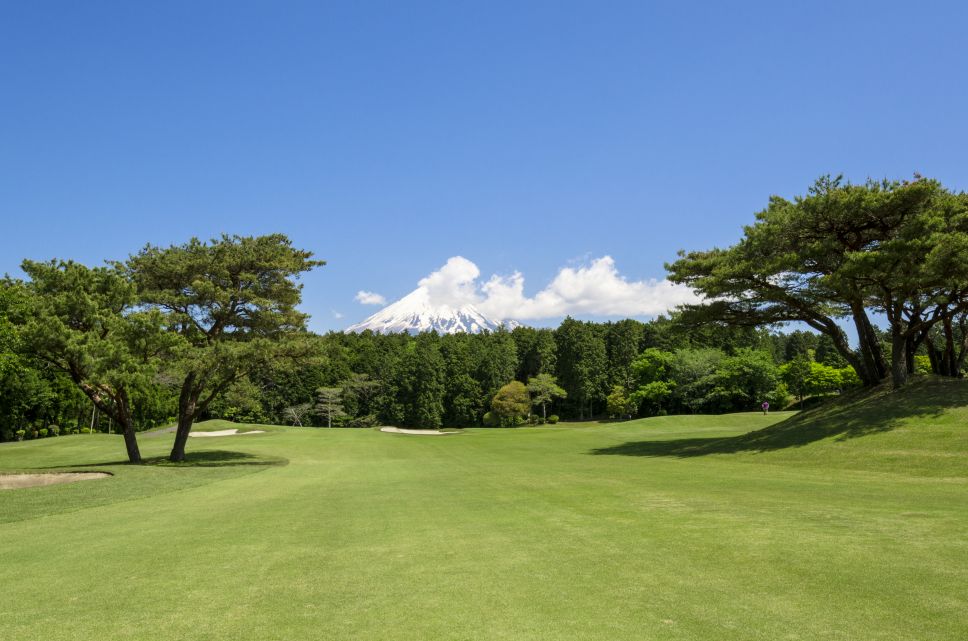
pixel 845 522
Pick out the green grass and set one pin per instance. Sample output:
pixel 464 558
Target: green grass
pixel 846 522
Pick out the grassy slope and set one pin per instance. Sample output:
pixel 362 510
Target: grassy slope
pixel 848 522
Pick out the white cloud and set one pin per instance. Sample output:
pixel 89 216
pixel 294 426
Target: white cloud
pixel 593 289
pixel 454 284
pixel 337 315
pixel 370 298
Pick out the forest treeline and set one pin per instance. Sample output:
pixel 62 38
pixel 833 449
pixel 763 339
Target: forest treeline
pixel 212 329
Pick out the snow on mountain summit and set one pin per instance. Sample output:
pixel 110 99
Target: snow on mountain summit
pixel 414 313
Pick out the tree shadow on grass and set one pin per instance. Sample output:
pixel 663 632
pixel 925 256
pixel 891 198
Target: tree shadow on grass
pixel 204 458
pixel 852 415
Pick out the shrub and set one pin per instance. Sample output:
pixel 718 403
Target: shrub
pixel 34 434
pixel 553 419
pixel 75 430
pixel 7 435
pixel 20 434
pixel 53 429
pixel 85 430
pixel 43 432
pixel 490 419
pixel 368 420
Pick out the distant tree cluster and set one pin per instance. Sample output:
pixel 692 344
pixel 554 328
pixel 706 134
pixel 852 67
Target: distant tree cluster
pixel 579 370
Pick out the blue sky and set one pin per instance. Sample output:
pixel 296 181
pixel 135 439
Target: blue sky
pixel 389 137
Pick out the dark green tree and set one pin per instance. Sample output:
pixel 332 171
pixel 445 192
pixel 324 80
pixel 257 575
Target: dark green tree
pixel 422 383
pixel 232 301
pixel 84 322
pixel 582 363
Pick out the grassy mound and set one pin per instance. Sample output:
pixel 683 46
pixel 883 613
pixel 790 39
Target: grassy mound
pixel 919 430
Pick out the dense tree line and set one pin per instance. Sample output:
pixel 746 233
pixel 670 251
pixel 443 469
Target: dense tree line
pixel 578 370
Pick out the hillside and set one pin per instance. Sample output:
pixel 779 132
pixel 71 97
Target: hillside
pixel 919 430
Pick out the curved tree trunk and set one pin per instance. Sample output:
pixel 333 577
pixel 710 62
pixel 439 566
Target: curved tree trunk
pixel 187 405
pixel 871 355
pixel 123 417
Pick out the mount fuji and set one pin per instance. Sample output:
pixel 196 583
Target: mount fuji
pixel 414 313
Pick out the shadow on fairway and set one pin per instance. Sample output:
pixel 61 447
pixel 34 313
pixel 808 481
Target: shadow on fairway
pixel 852 415
pixel 205 458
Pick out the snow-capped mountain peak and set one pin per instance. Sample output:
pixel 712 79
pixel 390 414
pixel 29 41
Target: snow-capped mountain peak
pixel 415 313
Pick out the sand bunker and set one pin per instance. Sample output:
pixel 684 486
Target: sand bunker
pixel 398 430
pixel 17 481
pixel 231 432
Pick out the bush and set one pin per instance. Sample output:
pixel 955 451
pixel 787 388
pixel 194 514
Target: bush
pixel 34 434
pixel 85 430
pixel 53 429
pixel 490 419
pixel 43 432
pixel 553 419
pixel 7 435
pixel 363 421
pixel 75 430
pixel 20 434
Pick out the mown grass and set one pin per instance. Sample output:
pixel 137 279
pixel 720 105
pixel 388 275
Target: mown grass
pixel 846 522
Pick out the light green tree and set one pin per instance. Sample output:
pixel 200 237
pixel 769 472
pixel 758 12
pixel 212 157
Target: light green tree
pixel 329 404
pixel 511 403
pixel 544 389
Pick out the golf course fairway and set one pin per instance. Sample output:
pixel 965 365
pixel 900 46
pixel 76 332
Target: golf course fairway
pixel 848 522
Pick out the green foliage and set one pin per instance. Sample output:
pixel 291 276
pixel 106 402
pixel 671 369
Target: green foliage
pixel 544 390
pixel 553 419
pixel 922 364
pixel 582 364
pixel 232 303
pixel 239 403
pixel 329 404
pixel 619 404
pixel 422 389
pixel 844 251
pixel 511 404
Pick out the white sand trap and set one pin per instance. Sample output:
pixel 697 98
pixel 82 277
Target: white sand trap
pixel 232 432
pixel 17 481
pixel 399 430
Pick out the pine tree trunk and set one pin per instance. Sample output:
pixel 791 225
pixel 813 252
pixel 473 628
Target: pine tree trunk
pixel 899 370
pixel 181 438
pixel 870 351
pixel 187 404
pixel 131 444
pixel 127 428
